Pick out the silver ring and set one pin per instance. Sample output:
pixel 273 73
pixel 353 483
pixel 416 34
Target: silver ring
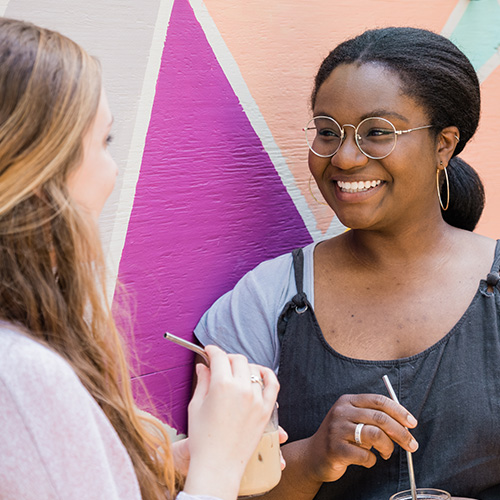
pixel 357 434
pixel 257 380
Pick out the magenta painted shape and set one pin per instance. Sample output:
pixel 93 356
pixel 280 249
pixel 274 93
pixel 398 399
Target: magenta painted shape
pixel 209 206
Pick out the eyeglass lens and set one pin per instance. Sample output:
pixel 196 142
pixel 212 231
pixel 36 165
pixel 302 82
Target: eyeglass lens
pixel 376 137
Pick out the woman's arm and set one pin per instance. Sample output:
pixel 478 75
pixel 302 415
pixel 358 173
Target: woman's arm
pixel 226 419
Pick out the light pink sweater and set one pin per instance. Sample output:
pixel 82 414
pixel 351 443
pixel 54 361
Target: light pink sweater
pixel 55 441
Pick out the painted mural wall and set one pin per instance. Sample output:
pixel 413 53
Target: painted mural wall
pixel 209 99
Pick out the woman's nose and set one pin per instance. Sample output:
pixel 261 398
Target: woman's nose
pixel 349 155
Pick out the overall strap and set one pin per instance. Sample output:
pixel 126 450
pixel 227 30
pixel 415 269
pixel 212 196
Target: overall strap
pixel 299 300
pixel 298 304
pixel 494 276
pixel 298 266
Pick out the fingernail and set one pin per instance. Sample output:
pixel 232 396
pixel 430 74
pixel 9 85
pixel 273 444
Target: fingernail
pixel 411 420
pixel 413 445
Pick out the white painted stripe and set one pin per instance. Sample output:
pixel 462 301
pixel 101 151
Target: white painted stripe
pixel 336 227
pixel 133 164
pixel 3 7
pixel 237 82
pixel 454 18
pixel 489 66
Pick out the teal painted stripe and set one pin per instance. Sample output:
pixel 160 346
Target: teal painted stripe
pixel 478 31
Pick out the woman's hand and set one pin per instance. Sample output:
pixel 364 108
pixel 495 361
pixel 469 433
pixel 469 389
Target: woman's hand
pixel 333 447
pixel 182 456
pixel 226 418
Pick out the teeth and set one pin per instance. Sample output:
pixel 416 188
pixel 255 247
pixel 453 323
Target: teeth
pixel 357 186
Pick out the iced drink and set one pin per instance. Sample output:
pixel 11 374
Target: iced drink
pixel 422 494
pixel 263 471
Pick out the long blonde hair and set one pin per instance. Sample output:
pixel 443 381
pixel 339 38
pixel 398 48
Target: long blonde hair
pixel 52 273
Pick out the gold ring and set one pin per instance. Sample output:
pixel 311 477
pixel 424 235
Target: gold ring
pixel 257 380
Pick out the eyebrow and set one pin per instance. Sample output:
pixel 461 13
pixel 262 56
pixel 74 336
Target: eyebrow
pixel 378 112
pixel 383 112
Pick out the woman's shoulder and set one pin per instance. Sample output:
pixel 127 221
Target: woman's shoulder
pixel 280 267
pixel 33 376
pixel 253 304
pixel 24 361
pixel 271 278
pixel 475 251
pixel 48 414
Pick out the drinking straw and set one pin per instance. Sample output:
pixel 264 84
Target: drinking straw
pixel 185 343
pixel 409 458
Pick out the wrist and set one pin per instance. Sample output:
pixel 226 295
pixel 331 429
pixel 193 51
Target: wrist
pixel 304 454
pixel 213 478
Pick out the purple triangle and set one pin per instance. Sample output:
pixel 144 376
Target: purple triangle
pixel 209 206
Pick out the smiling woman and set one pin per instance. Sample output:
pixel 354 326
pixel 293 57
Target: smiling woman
pixel 370 94
pixel 410 291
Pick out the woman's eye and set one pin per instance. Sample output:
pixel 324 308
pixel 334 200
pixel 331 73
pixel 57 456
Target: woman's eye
pixel 379 132
pixel 109 139
pixel 328 133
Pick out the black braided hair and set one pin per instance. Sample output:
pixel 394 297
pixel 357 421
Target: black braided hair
pixel 442 80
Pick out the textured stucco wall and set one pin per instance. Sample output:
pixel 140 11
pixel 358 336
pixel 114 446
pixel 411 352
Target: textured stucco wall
pixel 209 100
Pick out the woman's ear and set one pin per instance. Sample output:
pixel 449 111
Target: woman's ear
pixel 446 143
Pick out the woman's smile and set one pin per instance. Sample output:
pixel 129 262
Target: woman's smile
pixel 357 186
pixel 356 191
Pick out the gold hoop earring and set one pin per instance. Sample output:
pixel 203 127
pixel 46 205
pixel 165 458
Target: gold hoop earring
pixel 312 194
pixel 447 188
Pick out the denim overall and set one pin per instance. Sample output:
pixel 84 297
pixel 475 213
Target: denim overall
pixel 452 388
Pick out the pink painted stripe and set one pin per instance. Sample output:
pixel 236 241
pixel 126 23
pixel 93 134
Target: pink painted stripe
pixel 209 206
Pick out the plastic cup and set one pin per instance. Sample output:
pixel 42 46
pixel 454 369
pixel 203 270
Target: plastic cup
pixel 422 494
pixel 263 471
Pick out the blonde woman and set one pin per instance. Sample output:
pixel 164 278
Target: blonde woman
pixel 68 424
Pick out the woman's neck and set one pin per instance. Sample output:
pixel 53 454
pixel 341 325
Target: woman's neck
pixel 406 248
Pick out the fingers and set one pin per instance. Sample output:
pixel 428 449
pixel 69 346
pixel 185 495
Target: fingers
pixel 240 369
pixel 283 435
pixel 271 385
pixel 356 455
pixel 201 389
pixel 384 419
pixel 358 423
pixel 224 367
pixel 368 436
pixel 203 380
pixel 385 405
pixel 220 366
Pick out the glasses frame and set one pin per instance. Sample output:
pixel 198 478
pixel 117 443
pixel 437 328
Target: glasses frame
pixel 356 135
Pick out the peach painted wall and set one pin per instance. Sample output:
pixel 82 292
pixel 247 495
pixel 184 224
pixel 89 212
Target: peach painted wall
pixel 209 99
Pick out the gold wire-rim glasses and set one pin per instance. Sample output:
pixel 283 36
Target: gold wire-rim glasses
pixel 357 137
